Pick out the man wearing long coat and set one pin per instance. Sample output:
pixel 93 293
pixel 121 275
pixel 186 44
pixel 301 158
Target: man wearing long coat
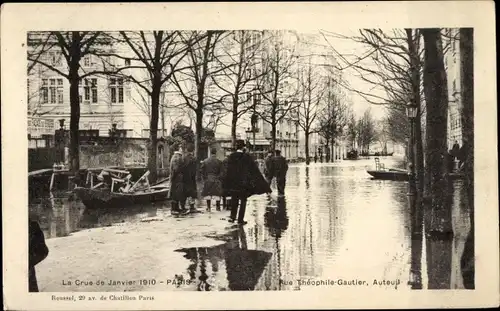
pixel 176 193
pixel 211 169
pixel 269 167
pixel 280 170
pixel 242 179
pixel 189 175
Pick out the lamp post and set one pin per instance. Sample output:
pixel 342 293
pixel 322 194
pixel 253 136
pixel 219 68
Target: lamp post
pixel 416 240
pixel 254 129
pixel 411 112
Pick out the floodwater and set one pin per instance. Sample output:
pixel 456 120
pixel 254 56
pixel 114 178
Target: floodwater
pixel 335 225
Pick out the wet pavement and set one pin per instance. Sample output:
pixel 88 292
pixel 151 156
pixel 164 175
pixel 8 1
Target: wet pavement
pixel 335 225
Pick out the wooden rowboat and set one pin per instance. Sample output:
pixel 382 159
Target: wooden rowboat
pixel 103 198
pixel 402 175
pixel 390 174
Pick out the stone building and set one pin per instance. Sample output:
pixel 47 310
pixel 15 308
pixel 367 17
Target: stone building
pixel 103 100
pixel 452 65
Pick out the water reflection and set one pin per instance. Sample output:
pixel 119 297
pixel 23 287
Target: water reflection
pixel 334 222
pixel 447 258
pixel 59 215
pixel 242 267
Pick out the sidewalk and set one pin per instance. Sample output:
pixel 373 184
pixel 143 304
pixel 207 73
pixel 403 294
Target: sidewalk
pixel 127 252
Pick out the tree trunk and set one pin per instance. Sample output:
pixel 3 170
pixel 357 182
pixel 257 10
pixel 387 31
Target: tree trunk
pixel 436 94
pixel 74 98
pixel 467 94
pixel 306 136
pixel 199 134
pixel 273 132
pixel 234 122
pixel 153 132
pixel 74 146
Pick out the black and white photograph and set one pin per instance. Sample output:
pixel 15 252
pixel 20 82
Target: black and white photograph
pixel 250 159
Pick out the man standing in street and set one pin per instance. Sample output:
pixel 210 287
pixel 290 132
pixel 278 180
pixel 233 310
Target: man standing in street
pixel 176 192
pixel 189 174
pixel 211 169
pixel 280 170
pixel 242 179
pixel 268 167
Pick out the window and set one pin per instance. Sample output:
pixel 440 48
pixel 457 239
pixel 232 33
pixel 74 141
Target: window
pixel 55 58
pixel 52 91
pixel 86 90
pixel 86 60
pixel 116 90
pixel 94 90
pixel 257 99
pixel 120 90
pixel 127 62
pixel 60 91
pixel 45 91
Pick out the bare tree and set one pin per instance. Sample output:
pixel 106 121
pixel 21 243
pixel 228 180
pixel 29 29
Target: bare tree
pixel 193 82
pixel 313 87
pixel 392 64
pixel 366 131
pixel 241 68
pixel 397 124
pixel 382 129
pixel 334 118
pixel 158 54
pixel 278 86
pixel 73 46
pixel 436 98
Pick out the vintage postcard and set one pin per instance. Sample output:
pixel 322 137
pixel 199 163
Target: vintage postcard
pixel 272 155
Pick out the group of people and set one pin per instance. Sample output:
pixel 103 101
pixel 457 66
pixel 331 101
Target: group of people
pixel 237 177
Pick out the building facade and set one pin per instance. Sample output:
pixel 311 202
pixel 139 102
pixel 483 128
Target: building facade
pixel 452 65
pixel 451 49
pixel 102 99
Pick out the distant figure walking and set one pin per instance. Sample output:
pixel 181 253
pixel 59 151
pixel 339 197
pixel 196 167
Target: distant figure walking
pixel 269 167
pixel 211 170
pixel 189 174
pixel 242 179
pixel 176 192
pixel 38 251
pixel 280 170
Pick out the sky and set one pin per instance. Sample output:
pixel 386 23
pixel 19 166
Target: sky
pixel 349 49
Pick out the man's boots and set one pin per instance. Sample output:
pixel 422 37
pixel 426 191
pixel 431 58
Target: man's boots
pixel 174 207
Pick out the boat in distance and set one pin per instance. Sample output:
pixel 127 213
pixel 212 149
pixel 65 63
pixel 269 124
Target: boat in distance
pixel 402 175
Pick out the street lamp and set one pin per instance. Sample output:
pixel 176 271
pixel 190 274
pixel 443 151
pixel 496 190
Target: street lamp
pixel 253 122
pixel 415 215
pixel 411 113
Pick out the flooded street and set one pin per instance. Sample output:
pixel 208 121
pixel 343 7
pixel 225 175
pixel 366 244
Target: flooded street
pixel 335 225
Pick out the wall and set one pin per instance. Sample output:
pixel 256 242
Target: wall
pixel 40 158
